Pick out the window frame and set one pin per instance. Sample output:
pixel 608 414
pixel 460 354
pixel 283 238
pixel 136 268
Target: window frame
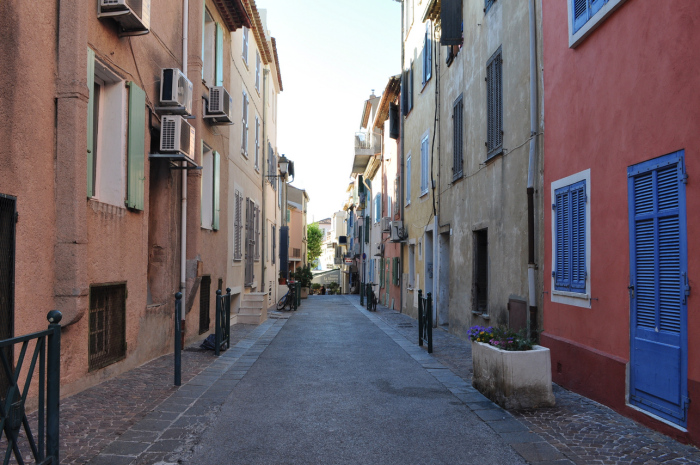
pixel 425 164
pixel 408 179
pixel 576 36
pixel 244 124
pixel 579 299
pixel 494 109
pixel 427 55
pixel 246 45
pixel 458 138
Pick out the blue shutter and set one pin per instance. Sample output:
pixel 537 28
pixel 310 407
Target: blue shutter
pixel 219 55
pixel 90 122
pixel 570 241
pixel 136 151
pixel 563 239
pixel 580 13
pixel 596 5
pixel 578 237
pixel 217 189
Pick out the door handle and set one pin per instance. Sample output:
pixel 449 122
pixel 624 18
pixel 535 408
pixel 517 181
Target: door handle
pixel 631 290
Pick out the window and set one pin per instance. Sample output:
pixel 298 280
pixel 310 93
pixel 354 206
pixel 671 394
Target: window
pixel 408 179
pixel 257 143
pixel 273 240
pixel 107 325
pixel 571 239
pixel 427 54
pixel 586 15
pixel 211 176
pixel 411 265
pixel 407 90
pixel 212 52
pixel 237 225
pixel 480 281
pixel 250 245
pixel 494 101
pixel 488 5
pixel 256 221
pixel 257 71
pixel 271 165
pixel 457 139
pixel 396 271
pixel 377 208
pixel 245 44
pixel 424 164
pixel 116 136
pixel 244 126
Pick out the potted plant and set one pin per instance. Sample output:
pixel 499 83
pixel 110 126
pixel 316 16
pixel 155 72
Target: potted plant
pixel 510 369
pixel 316 287
pixel 304 277
pixel 333 288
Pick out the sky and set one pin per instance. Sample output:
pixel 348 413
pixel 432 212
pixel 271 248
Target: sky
pixel 332 54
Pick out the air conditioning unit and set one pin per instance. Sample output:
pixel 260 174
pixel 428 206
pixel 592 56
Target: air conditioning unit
pixel 398 233
pixel 176 136
pixel 134 16
pixel 386 224
pixel 175 91
pixel 220 107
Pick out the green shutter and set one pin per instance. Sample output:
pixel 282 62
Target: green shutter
pixel 136 147
pixel 90 121
pixel 367 220
pixel 219 55
pixel 217 188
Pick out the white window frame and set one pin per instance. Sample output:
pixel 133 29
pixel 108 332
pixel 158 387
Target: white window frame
pixel 257 143
pixel 425 163
pixel 258 65
pixel 408 179
pixel 246 45
pixel 208 49
pixel 207 212
pixel 577 299
pixel 592 24
pixel 244 125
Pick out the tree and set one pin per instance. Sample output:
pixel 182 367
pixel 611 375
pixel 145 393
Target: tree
pixel 314 239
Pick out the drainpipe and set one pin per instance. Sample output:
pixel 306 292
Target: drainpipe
pixel 402 182
pixel 263 221
pixel 183 227
pixel 531 265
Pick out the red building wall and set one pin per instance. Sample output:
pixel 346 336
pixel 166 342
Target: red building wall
pixel 627 93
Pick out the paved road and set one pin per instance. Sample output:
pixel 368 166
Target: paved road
pixel 334 388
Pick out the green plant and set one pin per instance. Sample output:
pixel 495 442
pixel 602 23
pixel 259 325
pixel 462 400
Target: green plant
pixel 314 241
pixel 501 338
pixel 316 286
pixel 304 276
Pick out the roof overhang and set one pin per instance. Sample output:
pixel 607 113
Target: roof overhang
pixel 277 62
pixel 391 93
pixel 234 13
pixel 432 11
pixel 258 31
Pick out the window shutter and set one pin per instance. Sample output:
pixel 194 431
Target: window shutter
pixel 217 189
pixel 410 87
pixel 367 220
pixel 580 13
pixel 257 142
pixel 563 240
pixel 244 126
pixel 458 141
pixel 257 232
pixel 451 22
pixel 237 226
pixel 136 147
pixel 394 127
pixel 404 93
pixel 257 71
pixel 90 122
pixel 428 53
pixel 578 237
pixel 381 272
pixel 274 244
pixel 245 44
pixel 219 55
pixel 494 92
pixel 408 180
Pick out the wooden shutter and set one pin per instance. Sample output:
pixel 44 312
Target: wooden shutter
pixel 91 122
pixel 394 126
pixel 451 22
pixel 274 244
pixel 381 272
pixel 244 126
pixel 570 240
pixel 580 15
pixel 217 188
pixel 237 226
pixel 578 237
pixel 494 93
pixel 458 142
pixel 219 55
pixel 367 223
pixel 136 152
pixel 257 232
pixel 408 180
pixel 424 166
pixel 562 251
pixel 488 4
pixel 410 87
pixel 257 71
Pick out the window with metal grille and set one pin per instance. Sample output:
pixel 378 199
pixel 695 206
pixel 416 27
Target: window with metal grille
pixel 237 225
pixel 107 325
pixel 249 241
pixel 457 139
pixel 480 282
pixel 8 219
pixel 204 299
pixel 494 101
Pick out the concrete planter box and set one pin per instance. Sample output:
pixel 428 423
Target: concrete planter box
pixel 304 292
pixel 513 380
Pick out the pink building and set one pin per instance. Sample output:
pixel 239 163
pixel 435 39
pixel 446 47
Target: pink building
pixel 621 154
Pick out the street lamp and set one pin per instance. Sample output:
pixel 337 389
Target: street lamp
pixel 283 166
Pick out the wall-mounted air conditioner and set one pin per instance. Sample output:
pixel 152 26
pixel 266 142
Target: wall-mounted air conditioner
pixel 220 106
pixel 175 92
pixel 176 136
pixel 386 224
pixel 398 233
pixel 133 16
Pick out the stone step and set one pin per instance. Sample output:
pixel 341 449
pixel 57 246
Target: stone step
pixel 250 311
pixel 248 304
pixel 253 298
pixel 252 319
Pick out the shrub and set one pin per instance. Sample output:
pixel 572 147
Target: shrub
pixel 502 338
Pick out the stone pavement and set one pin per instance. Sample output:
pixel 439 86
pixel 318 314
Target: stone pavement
pixel 149 421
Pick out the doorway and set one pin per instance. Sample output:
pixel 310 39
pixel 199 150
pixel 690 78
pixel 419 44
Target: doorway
pixel 443 301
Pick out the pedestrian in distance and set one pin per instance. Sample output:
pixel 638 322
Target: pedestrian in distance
pixel 323 290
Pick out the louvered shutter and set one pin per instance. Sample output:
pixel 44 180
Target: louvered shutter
pixel 570 241
pixel 91 122
pixel 581 13
pixel 457 129
pixel 219 55
pixel 410 87
pixel 562 207
pixel 367 223
pixel 578 237
pixel 494 96
pixel 451 22
pixel 136 151
pixel 237 226
pixel 217 189
pixel 408 180
pixel 257 71
pixel 257 232
pixel 274 244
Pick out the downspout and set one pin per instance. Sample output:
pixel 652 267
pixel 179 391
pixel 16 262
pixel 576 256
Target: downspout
pixel 183 227
pixel 263 220
pixel 402 182
pixel 531 265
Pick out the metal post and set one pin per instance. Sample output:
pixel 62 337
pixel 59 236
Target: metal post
pixel 429 325
pixel 178 339
pixel 217 340
pixel 228 317
pixel 53 385
pixel 420 317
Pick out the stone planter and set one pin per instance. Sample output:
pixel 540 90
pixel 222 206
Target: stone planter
pixel 513 380
pixel 304 292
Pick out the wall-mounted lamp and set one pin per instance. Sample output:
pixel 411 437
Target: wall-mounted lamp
pixel 283 166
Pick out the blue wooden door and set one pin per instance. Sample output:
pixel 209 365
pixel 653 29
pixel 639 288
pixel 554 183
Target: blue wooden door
pixel 658 287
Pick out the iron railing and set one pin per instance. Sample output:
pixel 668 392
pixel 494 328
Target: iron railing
pixel 223 321
pixel 371 298
pixel 44 448
pixel 425 320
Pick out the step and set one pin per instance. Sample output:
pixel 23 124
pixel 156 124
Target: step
pixel 246 304
pixel 251 319
pixel 250 311
pixel 253 298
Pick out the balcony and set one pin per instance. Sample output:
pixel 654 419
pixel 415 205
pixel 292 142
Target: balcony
pixel 367 144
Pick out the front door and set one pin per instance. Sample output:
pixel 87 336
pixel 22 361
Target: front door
pixel 658 287
pixel 8 218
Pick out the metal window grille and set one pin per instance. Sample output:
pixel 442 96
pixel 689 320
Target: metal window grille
pixel 237 226
pixel 458 141
pixel 107 325
pixel 204 299
pixel 494 97
pixel 8 219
